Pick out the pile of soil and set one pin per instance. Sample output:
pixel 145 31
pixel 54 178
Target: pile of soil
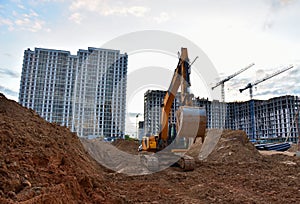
pixel 234 146
pixel 44 162
pixel 41 162
pixel 129 146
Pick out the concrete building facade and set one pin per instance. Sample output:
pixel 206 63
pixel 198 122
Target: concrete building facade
pixel 85 92
pixel 153 99
pixel 274 119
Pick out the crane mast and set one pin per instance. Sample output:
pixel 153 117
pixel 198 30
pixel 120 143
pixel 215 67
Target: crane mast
pixel 222 82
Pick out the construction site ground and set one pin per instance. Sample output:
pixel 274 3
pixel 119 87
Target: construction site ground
pixel 43 162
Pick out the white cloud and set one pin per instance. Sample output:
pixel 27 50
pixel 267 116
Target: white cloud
pixel 33 13
pixel 7 22
pixel 29 22
pixel 106 8
pixel 23 21
pixel 9 93
pixel 138 11
pixel 275 7
pixel 21 6
pixel 76 17
pixel 163 17
pixel 260 73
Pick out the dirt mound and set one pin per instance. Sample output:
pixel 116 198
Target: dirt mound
pixel 129 146
pixel 234 146
pixel 225 146
pixel 42 162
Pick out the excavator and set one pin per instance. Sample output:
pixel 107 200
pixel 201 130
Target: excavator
pixel 190 124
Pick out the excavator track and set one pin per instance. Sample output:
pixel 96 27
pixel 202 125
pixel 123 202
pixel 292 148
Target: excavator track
pixel 187 163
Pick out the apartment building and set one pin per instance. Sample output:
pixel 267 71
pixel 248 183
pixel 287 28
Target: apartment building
pixel 85 92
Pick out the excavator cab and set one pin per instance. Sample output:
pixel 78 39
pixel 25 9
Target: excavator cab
pixel 149 143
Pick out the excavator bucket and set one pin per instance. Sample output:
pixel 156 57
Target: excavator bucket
pixel 191 122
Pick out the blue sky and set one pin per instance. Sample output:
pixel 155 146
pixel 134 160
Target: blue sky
pixel 232 33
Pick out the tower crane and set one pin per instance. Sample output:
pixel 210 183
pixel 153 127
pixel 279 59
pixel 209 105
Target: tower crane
pixel 222 82
pixel 250 86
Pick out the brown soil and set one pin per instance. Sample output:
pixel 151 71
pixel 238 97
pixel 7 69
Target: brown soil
pixel 234 146
pixel 127 146
pixel 41 162
pixel 294 148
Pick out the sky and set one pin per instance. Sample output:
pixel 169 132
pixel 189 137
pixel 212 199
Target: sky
pixel 232 33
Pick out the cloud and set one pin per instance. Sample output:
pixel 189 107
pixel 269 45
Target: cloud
pixel 239 82
pixel 7 22
pixel 9 73
pixel 260 73
pixel 76 17
pixel 7 54
pixel 138 11
pixel 163 17
pixel 106 8
pixel 8 92
pixel 21 18
pixel 29 21
pixel 271 93
pixel 275 7
pixel 21 6
pixel 282 84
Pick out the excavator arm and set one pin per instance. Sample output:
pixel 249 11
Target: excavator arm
pixel 181 77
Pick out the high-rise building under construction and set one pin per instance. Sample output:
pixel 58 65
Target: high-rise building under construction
pixel 85 92
pixel 275 119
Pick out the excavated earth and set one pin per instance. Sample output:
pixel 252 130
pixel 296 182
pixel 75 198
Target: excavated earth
pixel 42 162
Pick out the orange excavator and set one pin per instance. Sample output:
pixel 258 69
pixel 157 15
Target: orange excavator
pixel 191 123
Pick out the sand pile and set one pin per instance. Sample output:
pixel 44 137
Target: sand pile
pixel 129 146
pixel 43 162
pixel 234 146
pixel 225 146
